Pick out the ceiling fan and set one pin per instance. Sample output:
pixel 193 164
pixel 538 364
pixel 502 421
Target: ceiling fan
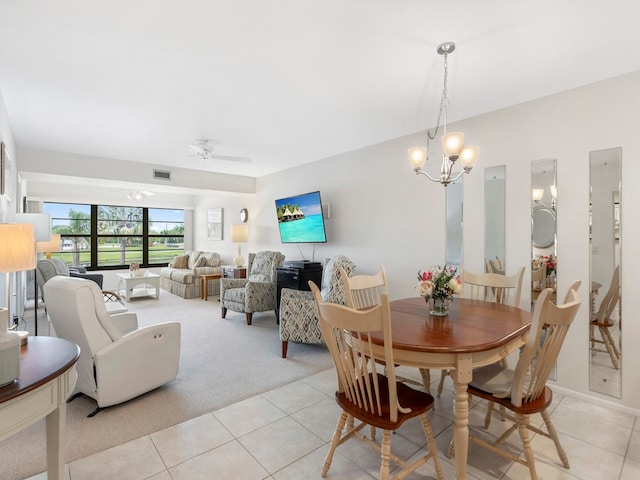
pixel 139 194
pixel 203 149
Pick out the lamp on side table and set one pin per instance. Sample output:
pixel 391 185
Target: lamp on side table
pixel 17 253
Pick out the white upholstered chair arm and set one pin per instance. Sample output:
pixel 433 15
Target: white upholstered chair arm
pixel 125 322
pixel 137 363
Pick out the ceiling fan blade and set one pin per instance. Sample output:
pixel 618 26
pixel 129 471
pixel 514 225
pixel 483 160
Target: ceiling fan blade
pixel 229 158
pixel 198 150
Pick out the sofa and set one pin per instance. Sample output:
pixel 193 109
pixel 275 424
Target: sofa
pixel 182 276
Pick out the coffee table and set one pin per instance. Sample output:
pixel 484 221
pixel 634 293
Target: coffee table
pixel 147 280
pixel 204 279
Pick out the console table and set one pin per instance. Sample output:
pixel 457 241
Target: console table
pixel 296 279
pixel 47 378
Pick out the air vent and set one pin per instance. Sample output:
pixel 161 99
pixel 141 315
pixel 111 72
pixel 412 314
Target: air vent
pixel 161 174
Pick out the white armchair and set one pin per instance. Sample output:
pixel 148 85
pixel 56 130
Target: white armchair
pixel 118 360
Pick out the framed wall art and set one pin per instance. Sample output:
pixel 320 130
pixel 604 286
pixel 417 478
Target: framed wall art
pixel 214 224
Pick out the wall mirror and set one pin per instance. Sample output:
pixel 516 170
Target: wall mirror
pixel 453 239
pixel 543 227
pixel 544 241
pixel 494 218
pixel 605 226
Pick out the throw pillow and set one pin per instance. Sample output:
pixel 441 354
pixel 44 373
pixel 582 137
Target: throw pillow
pixel 193 259
pixel 201 262
pixel 213 259
pixel 181 261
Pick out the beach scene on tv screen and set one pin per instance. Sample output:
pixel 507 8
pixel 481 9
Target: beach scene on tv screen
pixel 300 219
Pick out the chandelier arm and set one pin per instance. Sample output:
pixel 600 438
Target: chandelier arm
pixel 422 172
pixel 459 175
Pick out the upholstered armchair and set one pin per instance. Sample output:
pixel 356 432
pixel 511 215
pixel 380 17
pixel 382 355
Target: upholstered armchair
pixel 298 309
pixel 48 268
pixel 118 360
pixel 256 293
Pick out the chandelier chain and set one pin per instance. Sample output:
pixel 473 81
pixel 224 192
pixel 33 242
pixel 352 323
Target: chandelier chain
pixel 443 100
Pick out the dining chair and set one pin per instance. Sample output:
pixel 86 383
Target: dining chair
pixel 363 291
pixel 605 321
pixel 523 391
pixel 365 394
pixel 491 287
pixel 570 296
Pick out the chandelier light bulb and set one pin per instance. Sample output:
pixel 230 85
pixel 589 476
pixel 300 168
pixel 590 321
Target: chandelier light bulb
pixel 417 157
pixel 468 156
pixel 537 194
pixel 452 145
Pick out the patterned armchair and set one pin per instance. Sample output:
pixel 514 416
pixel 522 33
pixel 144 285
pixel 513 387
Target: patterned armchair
pixel 298 310
pixel 256 293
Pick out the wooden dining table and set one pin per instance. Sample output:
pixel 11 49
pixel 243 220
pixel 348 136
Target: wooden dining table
pixel 474 333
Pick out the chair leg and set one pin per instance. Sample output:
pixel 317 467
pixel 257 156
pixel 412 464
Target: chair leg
pixel 443 375
pixel 285 345
pixel 334 443
pixel 523 422
pixel 554 436
pixel 487 417
pixel 425 373
pixel 433 448
pixel 249 315
pixel 385 454
pixel 224 312
pixel 610 348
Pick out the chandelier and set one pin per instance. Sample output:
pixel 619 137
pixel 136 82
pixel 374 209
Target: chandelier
pixel 452 143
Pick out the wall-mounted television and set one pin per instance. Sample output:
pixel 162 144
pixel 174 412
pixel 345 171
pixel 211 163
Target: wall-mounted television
pixel 300 219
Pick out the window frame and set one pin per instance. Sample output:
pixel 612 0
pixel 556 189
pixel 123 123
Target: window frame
pixel 93 236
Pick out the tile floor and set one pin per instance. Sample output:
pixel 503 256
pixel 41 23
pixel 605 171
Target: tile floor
pixel 284 434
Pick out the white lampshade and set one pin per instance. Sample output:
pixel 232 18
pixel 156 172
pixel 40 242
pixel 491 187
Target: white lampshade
pixel 51 246
pixel 417 157
pixel 468 156
pixel 40 221
pixel 17 247
pixel 452 144
pixel 239 233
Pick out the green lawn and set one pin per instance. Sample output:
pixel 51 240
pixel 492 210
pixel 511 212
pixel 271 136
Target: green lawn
pixel 110 254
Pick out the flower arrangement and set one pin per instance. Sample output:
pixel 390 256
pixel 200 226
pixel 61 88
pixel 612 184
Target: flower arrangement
pixel 550 261
pixel 439 282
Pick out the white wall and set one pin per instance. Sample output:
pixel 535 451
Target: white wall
pixel 381 213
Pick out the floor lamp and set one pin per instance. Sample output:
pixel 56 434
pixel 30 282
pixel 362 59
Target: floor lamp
pixel 42 230
pixel 17 253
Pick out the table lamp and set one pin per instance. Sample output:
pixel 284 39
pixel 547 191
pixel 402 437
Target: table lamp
pixel 17 253
pixel 239 234
pixel 52 246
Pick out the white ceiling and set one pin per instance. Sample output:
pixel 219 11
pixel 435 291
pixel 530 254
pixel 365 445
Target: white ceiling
pixel 286 82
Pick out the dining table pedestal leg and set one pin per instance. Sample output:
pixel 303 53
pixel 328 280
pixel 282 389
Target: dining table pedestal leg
pixel 461 378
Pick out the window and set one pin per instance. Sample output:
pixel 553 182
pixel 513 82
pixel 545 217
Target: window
pixel 107 236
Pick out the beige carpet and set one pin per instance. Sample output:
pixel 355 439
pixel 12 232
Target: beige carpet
pixel 221 362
